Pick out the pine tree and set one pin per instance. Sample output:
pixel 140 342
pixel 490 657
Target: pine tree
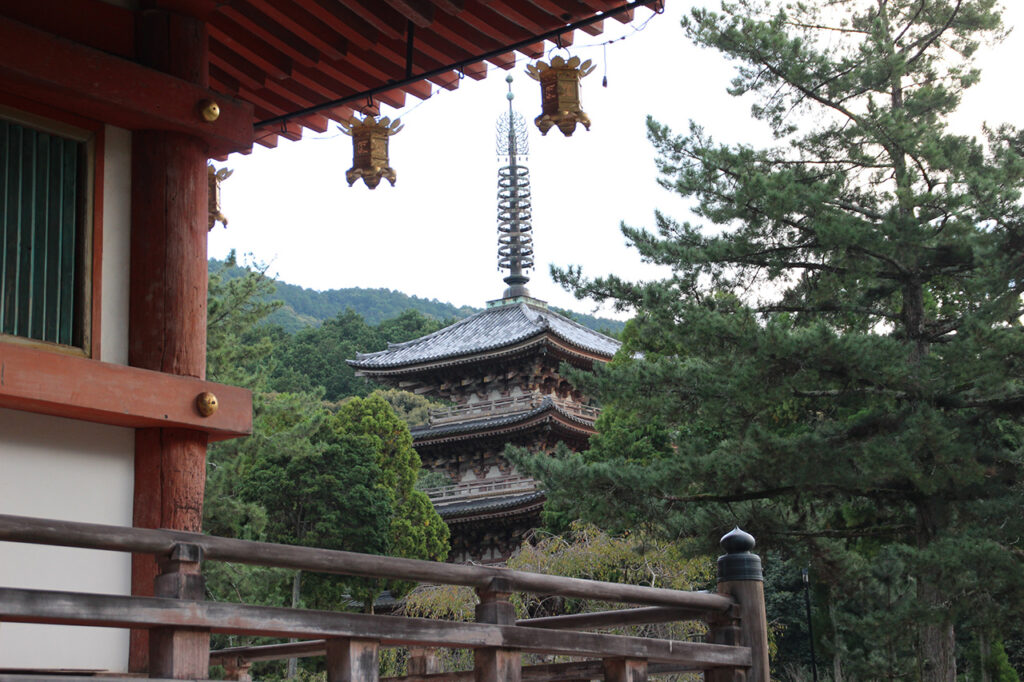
pixel 838 361
pixel 414 529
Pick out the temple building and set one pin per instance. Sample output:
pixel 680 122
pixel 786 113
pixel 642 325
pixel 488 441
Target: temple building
pixel 500 369
pixel 109 114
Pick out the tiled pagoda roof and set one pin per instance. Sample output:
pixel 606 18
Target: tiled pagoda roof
pixel 461 512
pixel 490 330
pixel 475 426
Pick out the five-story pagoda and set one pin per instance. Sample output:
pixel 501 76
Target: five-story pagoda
pixel 500 369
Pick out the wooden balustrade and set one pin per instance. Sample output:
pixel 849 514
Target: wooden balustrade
pixel 502 406
pixel 468 490
pixel 180 621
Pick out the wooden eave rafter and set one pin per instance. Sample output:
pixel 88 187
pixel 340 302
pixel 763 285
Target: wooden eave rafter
pixel 283 56
pixel 462 34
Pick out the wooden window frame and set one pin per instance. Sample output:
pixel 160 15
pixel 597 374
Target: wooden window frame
pixel 90 134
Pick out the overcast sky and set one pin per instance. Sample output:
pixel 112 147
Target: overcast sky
pixel 435 233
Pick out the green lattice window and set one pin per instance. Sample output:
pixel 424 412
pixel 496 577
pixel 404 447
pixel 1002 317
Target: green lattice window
pixel 41 235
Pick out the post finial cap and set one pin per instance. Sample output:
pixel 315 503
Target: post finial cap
pixel 738 563
pixel 737 541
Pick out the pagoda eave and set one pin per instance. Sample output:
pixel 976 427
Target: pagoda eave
pixel 549 343
pixel 561 423
pixel 493 508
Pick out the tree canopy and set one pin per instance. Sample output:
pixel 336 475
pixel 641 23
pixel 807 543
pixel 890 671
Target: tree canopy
pixel 338 473
pixel 836 359
pixel 414 529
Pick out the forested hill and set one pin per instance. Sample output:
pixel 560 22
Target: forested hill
pixel 308 307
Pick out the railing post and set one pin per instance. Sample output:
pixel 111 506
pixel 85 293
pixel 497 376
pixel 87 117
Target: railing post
pixel 353 660
pixel 625 670
pixel 423 661
pixel 238 670
pixel 180 653
pixel 740 576
pixel 492 664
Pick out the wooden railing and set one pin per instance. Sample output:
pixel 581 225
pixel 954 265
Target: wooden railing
pixel 470 490
pixel 500 406
pixel 179 621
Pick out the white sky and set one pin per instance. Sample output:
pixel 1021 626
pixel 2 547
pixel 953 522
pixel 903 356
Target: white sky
pixel 435 233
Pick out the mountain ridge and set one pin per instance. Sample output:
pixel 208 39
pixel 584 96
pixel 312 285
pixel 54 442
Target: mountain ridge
pixel 302 307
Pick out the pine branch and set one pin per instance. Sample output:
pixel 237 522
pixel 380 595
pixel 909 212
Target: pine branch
pixel 778 308
pixel 811 94
pixel 910 23
pixel 838 29
pixel 935 35
pixel 836 392
pixel 1010 404
pixel 871 493
pixel 901 270
pixel 856 532
pixel 866 212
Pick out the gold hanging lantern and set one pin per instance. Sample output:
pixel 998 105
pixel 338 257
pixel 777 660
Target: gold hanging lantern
pixel 370 149
pixel 560 93
pixel 214 177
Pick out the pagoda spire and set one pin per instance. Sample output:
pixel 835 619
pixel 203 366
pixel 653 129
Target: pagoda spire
pixel 515 243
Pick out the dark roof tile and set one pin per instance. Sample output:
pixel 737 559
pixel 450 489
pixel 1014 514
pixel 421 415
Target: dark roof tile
pixel 470 425
pixel 489 504
pixel 490 329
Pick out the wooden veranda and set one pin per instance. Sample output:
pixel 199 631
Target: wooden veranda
pixel 180 621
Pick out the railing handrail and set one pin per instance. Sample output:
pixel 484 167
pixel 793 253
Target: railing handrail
pixel 485 408
pixel 484 485
pixel 143 540
pixel 73 608
pixel 442 414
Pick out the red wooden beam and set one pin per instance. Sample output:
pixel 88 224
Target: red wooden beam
pixel 94 23
pixel 418 12
pixel 280 101
pixel 200 9
pixel 345 22
pixel 308 27
pixel 69 76
pixel 382 17
pixel 502 29
pixel 259 25
pixel 251 49
pixel 242 70
pixel 49 382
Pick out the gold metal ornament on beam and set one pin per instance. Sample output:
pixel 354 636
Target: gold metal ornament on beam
pixel 214 177
pixel 560 93
pixel 370 149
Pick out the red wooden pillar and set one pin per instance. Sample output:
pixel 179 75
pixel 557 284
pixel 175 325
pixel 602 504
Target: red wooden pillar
pixel 167 302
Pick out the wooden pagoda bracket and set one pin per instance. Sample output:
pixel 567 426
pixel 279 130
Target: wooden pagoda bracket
pixel 55 71
pixel 50 383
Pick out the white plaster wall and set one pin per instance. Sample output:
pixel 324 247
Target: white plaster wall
pixel 71 470
pixel 117 208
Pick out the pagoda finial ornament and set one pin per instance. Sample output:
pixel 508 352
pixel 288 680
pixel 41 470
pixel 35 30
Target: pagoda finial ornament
pixel 515 244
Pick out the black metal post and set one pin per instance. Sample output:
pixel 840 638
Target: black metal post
pixel 810 627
